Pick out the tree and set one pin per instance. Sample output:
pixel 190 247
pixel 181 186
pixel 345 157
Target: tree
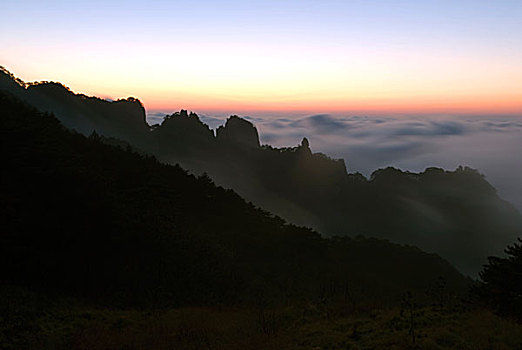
pixel 501 282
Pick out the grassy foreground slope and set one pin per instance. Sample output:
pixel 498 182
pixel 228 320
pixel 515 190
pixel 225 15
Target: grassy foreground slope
pixel 29 322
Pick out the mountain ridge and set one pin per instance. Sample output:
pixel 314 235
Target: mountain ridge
pixel 457 214
pixel 83 218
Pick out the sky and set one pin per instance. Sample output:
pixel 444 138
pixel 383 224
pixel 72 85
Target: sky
pixel 407 83
pixel 265 58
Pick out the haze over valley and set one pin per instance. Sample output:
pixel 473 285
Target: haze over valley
pixel 488 143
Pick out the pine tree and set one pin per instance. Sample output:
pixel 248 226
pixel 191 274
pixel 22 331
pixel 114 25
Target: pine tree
pixel 501 282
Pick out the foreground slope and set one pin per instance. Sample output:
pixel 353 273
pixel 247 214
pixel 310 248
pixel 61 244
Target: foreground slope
pixel 85 218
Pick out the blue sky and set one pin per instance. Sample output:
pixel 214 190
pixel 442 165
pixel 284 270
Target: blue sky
pixel 248 56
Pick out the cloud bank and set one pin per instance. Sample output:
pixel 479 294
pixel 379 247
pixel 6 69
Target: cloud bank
pixel 492 145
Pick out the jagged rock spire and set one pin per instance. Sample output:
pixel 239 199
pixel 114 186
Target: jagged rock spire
pixel 305 143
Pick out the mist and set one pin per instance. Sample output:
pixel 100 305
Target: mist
pixel 490 144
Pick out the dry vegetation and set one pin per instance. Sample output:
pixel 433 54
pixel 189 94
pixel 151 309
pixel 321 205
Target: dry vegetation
pixel 307 326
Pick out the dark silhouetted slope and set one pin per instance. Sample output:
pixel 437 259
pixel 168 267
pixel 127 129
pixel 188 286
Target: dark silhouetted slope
pixel 82 217
pixel 456 214
pixel 124 119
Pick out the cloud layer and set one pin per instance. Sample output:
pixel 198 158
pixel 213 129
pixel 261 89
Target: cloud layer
pixel 491 144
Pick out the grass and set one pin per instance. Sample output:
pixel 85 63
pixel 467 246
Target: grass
pixel 68 324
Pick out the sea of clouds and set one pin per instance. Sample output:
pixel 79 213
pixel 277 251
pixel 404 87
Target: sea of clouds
pixel 493 145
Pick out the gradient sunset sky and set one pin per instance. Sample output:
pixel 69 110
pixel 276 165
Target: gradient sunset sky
pixel 289 57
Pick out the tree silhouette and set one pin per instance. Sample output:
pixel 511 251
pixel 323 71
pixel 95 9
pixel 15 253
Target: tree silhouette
pixel 501 285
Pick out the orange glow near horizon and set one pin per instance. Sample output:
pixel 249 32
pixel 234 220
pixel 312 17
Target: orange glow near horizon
pixel 236 57
pixel 336 99
pixel 347 82
pixel 480 105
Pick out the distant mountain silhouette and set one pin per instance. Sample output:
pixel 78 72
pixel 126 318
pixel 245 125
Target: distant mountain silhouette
pixel 456 214
pixel 80 217
pixel 123 119
pixel 238 132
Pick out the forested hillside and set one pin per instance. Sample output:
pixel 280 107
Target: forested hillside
pixel 80 217
pixel 456 214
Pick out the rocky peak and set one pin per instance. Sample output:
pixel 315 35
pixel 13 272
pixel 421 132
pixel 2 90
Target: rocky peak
pixel 304 147
pixel 184 126
pixel 132 111
pixel 238 131
pixel 305 143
